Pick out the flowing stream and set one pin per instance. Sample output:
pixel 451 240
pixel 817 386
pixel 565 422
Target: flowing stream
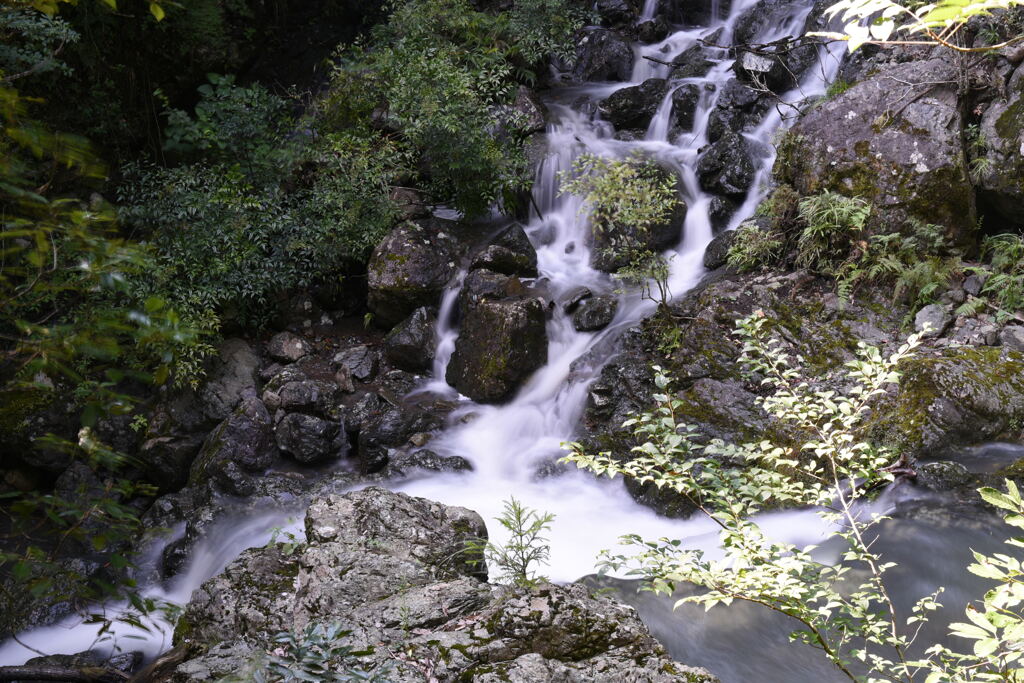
pixel 512 446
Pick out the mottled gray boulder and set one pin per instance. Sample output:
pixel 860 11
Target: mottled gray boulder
pixel 595 313
pixel 574 297
pixel 362 361
pixel 167 460
pixel 603 55
pixel 241 445
pixel 232 376
pixel 287 347
pixel 634 106
pixel 310 439
pixel 391 427
pixel 509 253
pixel 395 571
pixel 693 62
pixel 424 460
pixel 411 344
pixel 720 211
pixel 308 396
pixel 727 167
pixel 531 111
pixel 500 344
pixel 932 320
pixel 684 104
pixel 717 252
pixel 410 268
pixel 909 163
pixel 1012 337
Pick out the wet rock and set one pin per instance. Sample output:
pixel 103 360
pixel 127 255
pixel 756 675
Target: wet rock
pixel 910 163
pixel 738 108
pixel 410 268
pixel 500 344
pixel 942 475
pixel 310 439
pixel 424 460
pixel 651 31
pixel 286 347
pixel 684 104
pixel 242 444
pixel 634 106
pixel 575 297
pixel 509 253
pixel 167 460
pixel 932 320
pixel 362 361
pixel 390 428
pixel 764 71
pixel 595 313
pixel 716 254
pixel 727 167
pixel 603 55
pixel 410 345
pixel 308 396
pixel 720 212
pixel 693 62
pixel 233 376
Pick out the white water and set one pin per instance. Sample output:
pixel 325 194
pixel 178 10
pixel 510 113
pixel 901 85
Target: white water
pixel 508 444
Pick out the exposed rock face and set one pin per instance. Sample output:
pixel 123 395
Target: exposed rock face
pixel 633 107
pixel 232 377
pixel 738 108
pixel 684 104
pixel 603 55
pixel 651 31
pixel 311 439
pixel 769 71
pixel 1001 171
pixel 394 569
pixel 717 251
pixel 616 12
pixel 410 345
pixel 410 269
pixel 500 344
pixel 693 62
pixel 907 161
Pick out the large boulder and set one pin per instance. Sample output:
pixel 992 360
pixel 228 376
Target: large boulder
pixel 617 12
pixel 603 55
pixel 726 167
pixel 634 106
pixel 693 62
pixel 764 70
pixel 411 344
pixel 241 445
pixel 908 161
pixel 410 269
pixel 500 344
pixel 396 573
pixel 684 105
pixel 311 439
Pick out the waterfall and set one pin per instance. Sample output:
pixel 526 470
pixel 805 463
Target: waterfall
pixel 512 447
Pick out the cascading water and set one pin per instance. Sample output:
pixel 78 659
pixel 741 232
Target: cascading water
pixel 512 446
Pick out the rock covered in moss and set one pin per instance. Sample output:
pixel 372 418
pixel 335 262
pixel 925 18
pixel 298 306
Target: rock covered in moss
pixel 908 162
pixel 500 344
pixel 410 268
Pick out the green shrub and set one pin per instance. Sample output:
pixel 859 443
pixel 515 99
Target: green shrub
pixel 1003 275
pixel 526 550
pixel 831 221
pixel 754 248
